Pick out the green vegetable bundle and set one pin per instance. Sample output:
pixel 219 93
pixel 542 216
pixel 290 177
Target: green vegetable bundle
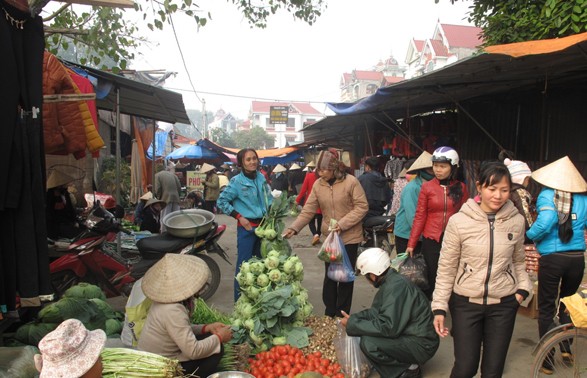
pixel 272 226
pixel 273 304
pixel 123 362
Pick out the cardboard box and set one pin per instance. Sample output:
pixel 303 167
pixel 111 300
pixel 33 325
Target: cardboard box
pixel 529 307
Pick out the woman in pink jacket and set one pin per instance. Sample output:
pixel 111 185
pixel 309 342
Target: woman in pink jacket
pixel 341 197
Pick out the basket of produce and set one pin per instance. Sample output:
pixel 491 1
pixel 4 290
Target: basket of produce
pixel 189 223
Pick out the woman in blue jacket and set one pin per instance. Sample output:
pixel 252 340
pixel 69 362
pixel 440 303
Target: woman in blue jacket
pixel 246 198
pixel 559 236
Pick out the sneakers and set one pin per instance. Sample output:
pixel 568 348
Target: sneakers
pixel 316 239
pixel 412 373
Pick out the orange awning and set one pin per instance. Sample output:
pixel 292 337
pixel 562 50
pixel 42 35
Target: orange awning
pixel 543 46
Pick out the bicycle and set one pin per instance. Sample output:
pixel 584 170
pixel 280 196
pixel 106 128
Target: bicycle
pixel 570 360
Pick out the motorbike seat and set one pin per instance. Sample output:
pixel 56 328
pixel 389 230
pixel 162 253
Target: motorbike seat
pixel 377 221
pixel 154 247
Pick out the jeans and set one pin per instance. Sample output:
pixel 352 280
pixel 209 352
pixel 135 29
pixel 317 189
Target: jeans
pixel 476 327
pixel 566 269
pixel 248 245
pixel 338 296
pixel 315 225
pixel 431 253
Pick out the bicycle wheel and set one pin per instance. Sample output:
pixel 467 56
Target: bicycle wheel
pixel 563 355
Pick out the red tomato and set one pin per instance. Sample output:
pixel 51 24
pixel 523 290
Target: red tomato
pixel 317 354
pixel 324 362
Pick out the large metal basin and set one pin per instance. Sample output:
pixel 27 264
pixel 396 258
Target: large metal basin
pixel 231 374
pixel 188 223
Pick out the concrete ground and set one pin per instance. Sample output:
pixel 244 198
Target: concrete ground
pixel 525 337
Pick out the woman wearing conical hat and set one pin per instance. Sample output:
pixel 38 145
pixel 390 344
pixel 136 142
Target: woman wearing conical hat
pixel 60 214
pixel 559 236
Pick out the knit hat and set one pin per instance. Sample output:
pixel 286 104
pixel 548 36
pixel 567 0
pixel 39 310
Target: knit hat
pixel 561 175
pixel 518 170
pixel 279 168
pixel 328 160
pixel 422 162
pixel 58 178
pixel 175 278
pixel 69 351
pixel 294 166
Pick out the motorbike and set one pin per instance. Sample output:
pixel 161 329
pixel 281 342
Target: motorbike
pixel 94 258
pixel 376 233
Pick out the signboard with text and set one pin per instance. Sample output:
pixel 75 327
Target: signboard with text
pixel 278 114
pixel 194 180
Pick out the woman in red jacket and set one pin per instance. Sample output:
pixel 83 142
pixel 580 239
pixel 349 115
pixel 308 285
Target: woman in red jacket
pixel 439 199
pixel 315 224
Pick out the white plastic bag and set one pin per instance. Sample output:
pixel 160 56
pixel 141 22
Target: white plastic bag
pixel 353 362
pixel 136 310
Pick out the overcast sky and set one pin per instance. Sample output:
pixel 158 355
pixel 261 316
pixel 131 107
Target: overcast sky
pixel 231 64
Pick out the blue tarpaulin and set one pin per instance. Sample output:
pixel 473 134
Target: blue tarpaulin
pixel 288 158
pixel 160 142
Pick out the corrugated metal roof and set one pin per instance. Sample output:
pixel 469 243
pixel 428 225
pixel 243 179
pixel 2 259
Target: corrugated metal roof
pixel 139 99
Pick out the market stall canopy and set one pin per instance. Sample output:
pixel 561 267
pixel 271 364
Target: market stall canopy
pixel 499 69
pixel 270 152
pixel 193 151
pixel 136 98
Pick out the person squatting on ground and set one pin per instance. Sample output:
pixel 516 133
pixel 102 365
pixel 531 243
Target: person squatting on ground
pixel 422 169
pixel 559 236
pixel 152 215
pixel 172 284
pixel 211 187
pixel 71 351
pixel 376 188
pixel 397 334
pixel 168 190
pixel 438 200
pixel 341 198
pixel 482 276
pixel 315 224
pixel 246 198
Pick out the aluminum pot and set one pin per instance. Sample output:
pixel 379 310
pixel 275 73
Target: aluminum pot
pixel 188 223
pixel 231 374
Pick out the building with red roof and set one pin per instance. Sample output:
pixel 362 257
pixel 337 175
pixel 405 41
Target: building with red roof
pixel 448 44
pixel 294 116
pixel 359 84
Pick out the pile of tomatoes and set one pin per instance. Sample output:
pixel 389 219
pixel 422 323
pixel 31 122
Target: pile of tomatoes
pixel 287 361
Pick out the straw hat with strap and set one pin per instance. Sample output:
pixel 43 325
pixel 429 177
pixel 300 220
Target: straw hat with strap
pixel 206 168
pixel 294 166
pixel 58 178
pixel 175 278
pixel 422 162
pixel 279 168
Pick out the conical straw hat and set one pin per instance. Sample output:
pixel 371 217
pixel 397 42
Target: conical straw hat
pixel 402 174
pixel 294 166
pixel 206 168
pixel 423 161
pixel 175 278
pixel 561 175
pixel 311 164
pixel 279 168
pixel 147 196
pixel 58 178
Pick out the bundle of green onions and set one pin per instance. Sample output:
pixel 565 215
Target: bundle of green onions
pixel 123 362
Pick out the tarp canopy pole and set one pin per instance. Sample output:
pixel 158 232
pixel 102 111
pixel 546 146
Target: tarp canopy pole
pixel 479 125
pixel 118 241
pixel 399 130
pixel 368 138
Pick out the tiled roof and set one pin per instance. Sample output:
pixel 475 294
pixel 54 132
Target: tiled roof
pixel 298 107
pixel 439 48
pixel 347 78
pixel 368 75
pixel 419 44
pixel 462 36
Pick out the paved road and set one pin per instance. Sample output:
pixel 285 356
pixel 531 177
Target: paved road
pixel 524 339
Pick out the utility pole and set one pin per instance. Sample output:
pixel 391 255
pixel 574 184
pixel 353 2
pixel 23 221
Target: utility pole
pixel 204 119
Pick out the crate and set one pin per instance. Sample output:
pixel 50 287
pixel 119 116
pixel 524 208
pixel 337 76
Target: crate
pixel 529 307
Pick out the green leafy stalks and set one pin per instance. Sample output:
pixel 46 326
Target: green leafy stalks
pixel 272 226
pixel 273 304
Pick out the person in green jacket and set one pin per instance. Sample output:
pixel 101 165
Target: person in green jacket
pixel 397 332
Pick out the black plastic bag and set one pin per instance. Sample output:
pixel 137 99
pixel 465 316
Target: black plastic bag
pixel 415 269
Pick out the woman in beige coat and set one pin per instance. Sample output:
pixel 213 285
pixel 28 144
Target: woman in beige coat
pixel 482 276
pixel 340 196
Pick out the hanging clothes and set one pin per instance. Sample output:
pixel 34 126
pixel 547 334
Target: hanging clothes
pixel 24 262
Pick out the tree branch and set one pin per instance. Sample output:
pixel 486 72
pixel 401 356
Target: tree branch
pixel 50 30
pixel 56 13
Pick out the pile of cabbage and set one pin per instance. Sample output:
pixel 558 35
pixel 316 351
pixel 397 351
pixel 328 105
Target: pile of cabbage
pixel 84 302
pixel 272 225
pixel 273 304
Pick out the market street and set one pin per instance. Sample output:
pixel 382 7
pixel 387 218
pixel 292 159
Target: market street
pixel 523 341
